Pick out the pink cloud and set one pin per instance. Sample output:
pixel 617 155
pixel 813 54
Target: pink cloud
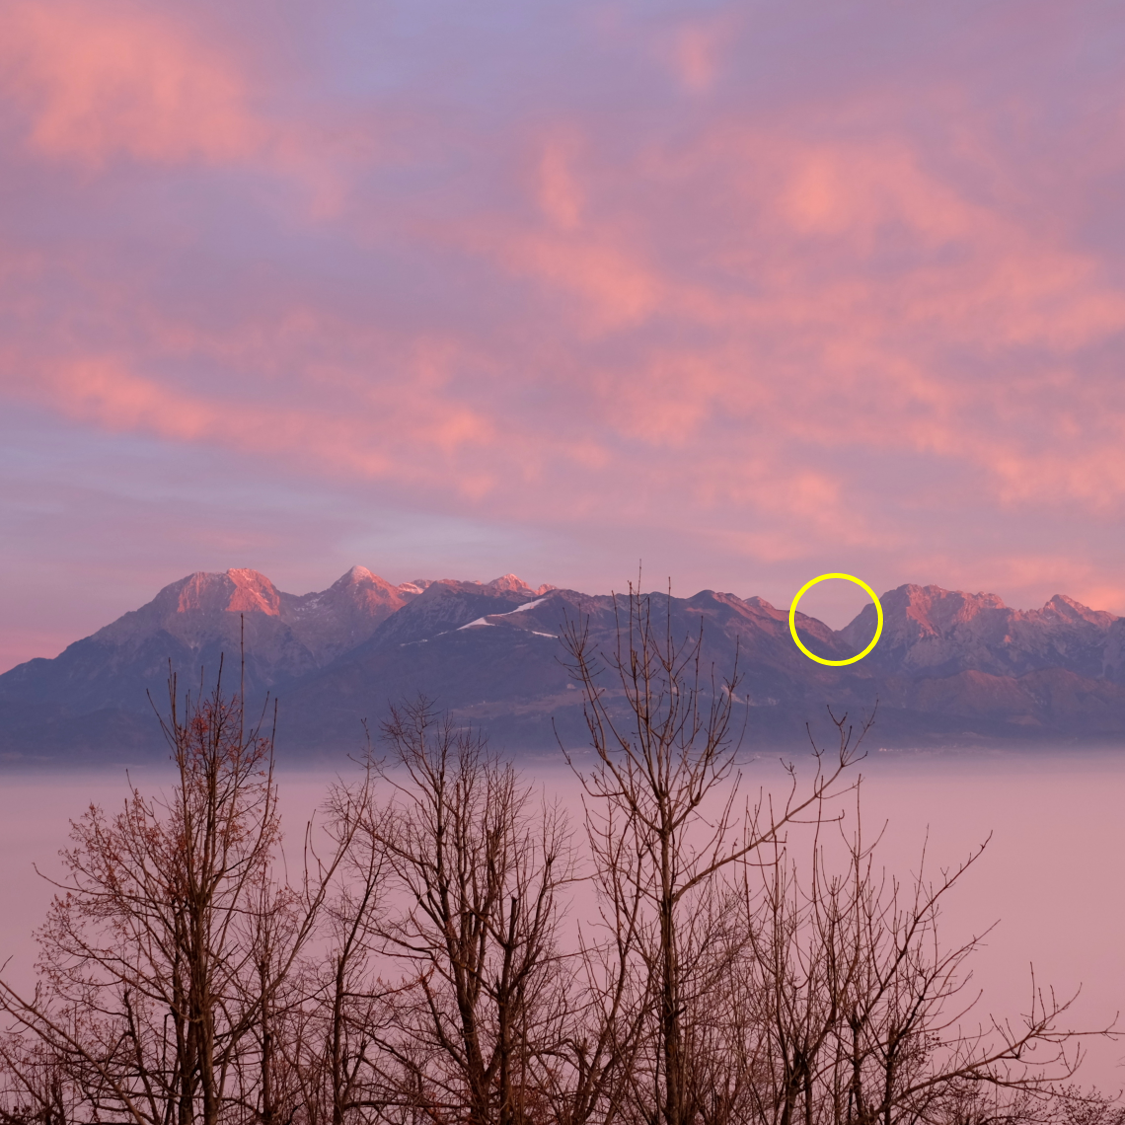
pixel 560 196
pixel 159 86
pixel 121 79
pixel 696 50
pixel 797 332
pixel 816 340
pixel 392 433
pixel 847 339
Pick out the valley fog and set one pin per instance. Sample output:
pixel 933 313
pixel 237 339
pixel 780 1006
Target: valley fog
pixel 1051 877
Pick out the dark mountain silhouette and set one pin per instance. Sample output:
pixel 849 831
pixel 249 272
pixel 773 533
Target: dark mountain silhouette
pixel 950 667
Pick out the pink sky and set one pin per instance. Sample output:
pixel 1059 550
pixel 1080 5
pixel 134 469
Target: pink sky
pixel 748 291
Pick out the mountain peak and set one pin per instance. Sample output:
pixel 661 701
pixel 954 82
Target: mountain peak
pixel 1069 609
pixel 510 582
pixel 506 583
pixel 935 610
pixel 238 590
pixel 759 603
pixel 354 576
pixel 936 595
pixel 353 587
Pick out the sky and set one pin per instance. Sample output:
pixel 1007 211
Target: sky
pixel 740 293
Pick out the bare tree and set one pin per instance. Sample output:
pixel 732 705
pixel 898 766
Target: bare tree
pixel 35 1088
pixel 664 826
pixel 475 873
pixel 170 941
pixel 866 1018
pixel 331 1039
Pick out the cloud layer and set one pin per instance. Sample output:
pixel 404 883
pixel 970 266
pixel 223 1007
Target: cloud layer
pixel 750 291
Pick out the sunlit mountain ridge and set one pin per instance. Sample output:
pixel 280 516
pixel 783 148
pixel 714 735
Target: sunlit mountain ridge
pixel 951 668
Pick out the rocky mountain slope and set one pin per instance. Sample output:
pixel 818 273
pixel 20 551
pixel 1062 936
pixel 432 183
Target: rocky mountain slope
pixel 934 632
pixel 950 667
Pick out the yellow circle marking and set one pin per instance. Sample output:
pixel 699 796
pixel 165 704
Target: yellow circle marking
pixel 793 619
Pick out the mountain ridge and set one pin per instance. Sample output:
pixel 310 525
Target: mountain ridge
pixel 950 665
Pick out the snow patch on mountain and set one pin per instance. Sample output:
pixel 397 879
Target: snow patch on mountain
pixel 526 606
pixel 478 621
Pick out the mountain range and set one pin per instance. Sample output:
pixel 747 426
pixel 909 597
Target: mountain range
pixel 950 669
